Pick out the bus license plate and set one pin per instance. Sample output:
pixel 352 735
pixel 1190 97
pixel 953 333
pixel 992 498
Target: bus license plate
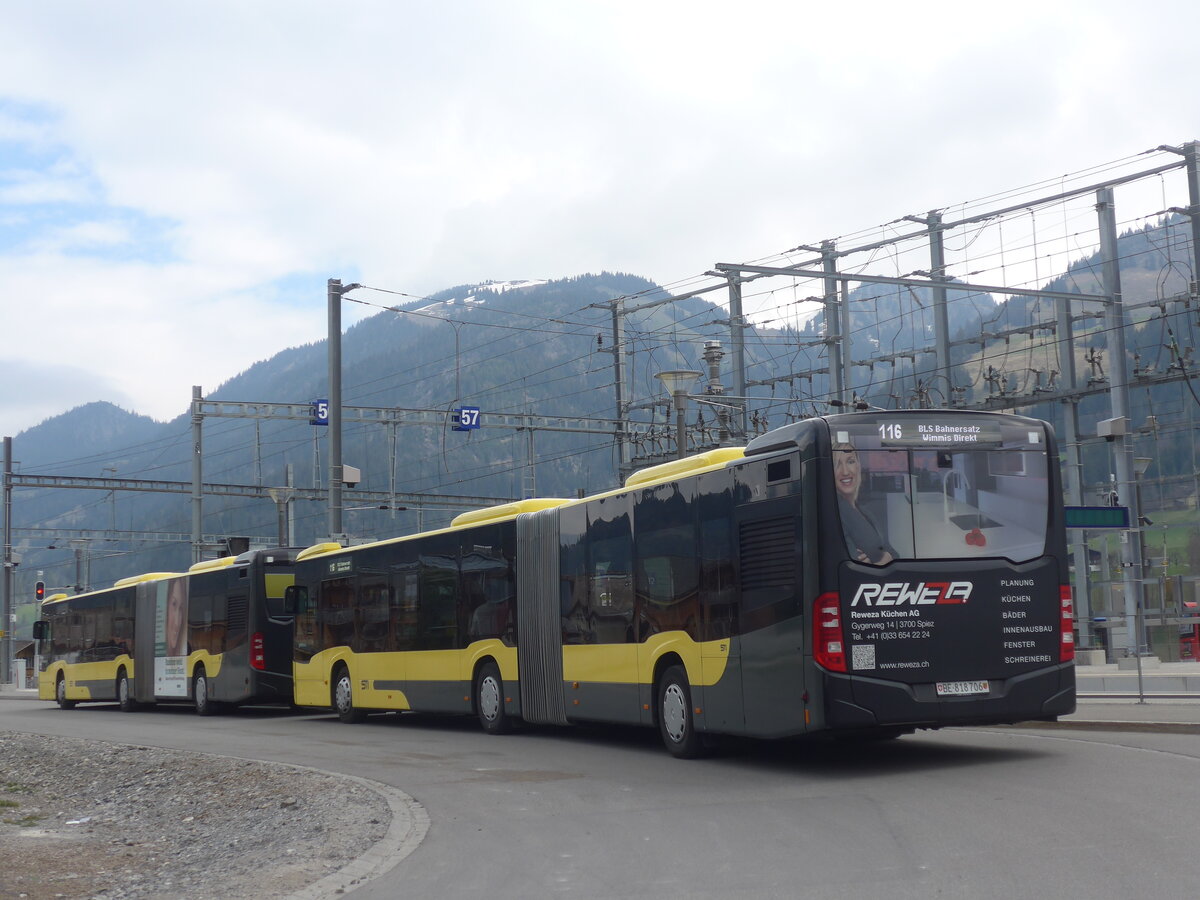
pixel 958 688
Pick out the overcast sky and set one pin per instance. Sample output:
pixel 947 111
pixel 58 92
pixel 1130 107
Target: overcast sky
pixel 178 180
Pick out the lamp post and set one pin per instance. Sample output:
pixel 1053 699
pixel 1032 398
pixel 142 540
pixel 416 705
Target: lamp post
pixel 677 382
pixel 335 292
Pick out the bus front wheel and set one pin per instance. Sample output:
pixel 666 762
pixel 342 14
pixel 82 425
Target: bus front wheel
pixel 675 722
pixel 60 694
pixel 343 697
pixel 489 700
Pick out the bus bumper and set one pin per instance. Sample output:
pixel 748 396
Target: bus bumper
pixel 855 702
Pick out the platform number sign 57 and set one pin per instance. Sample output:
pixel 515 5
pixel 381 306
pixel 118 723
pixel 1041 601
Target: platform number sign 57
pixel 319 412
pixel 465 418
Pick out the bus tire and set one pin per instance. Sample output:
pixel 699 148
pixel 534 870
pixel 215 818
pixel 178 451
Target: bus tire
pixel 343 697
pixel 489 700
pixel 676 724
pixel 60 693
pixel 125 693
pixel 202 694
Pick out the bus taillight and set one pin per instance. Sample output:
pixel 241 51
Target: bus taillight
pixel 258 657
pixel 1066 645
pixel 828 646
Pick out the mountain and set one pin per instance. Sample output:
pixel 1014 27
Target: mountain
pixel 541 347
pixel 101 427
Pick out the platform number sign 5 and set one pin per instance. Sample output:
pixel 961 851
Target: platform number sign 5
pixel 465 418
pixel 319 412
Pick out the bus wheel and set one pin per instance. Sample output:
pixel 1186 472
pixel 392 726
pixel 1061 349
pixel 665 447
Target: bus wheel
pixel 343 697
pixel 202 695
pixel 60 694
pixel 675 722
pixel 489 700
pixel 124 694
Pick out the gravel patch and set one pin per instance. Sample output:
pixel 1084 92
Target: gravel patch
pixel 86 819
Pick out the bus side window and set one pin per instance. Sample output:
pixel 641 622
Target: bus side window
pixel 307 638
pixel 438 571
pixel 717 589
pixel 371 623
pixel 335 613
pixel 667 570
pixel 718 595
pixel 295 600
pixel 573 576
pixel 406 608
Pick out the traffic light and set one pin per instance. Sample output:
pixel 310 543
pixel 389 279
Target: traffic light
pixel 39 591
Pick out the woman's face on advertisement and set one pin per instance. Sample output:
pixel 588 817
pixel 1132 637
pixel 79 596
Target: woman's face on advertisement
pixel 846 473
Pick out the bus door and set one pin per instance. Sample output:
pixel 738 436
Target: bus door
pixel 269 621
pixel 771 621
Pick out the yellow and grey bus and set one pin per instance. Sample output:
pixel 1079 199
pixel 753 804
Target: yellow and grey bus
pixel 213 636
pixel 863 574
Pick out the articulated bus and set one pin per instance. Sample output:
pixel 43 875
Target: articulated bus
pixel 861 575
pixel 214 636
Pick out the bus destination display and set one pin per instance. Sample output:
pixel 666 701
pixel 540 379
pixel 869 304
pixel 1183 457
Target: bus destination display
pixel 941 432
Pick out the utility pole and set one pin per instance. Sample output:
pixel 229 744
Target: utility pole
pixel 836 339
pixel 620 378
pixel 1191 155
pixel 334 296
pixel 197 476
pixel 6 588
pixel 1131 548
pixel 282 498
pixel 737 345
pixel 937 277
pixel 1073 468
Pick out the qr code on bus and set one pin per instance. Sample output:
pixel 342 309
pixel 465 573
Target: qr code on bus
pixel 863 656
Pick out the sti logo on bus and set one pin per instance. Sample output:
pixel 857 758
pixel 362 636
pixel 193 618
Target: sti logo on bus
pixel 898 593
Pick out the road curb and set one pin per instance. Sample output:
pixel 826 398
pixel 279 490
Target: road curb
pixel 409 825
pixel 1101 725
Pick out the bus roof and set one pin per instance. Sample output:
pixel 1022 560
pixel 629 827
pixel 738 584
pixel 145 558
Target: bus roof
pixel 148 576
pixel 208 565
pixel 691 465
pixel 505 511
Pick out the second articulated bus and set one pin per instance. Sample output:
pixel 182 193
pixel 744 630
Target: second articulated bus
pixel 861 574
pixel 213 636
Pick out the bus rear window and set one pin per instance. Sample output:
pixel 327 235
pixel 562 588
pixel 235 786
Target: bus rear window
pixel 917 500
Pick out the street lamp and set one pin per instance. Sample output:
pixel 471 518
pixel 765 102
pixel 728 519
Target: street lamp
pixel 677 382
pixel 336 290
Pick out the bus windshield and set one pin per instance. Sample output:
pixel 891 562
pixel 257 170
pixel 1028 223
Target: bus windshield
pixel 954 486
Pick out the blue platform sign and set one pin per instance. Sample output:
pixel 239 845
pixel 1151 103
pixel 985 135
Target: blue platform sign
pixel 320 412
pixel 465 418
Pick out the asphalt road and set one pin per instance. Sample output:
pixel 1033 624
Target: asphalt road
pixel 594 813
